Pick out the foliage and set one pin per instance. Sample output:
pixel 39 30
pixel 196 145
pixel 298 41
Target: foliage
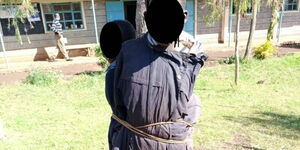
pixel 215 9
pixel 102 60
pixel 20 10
pixel 74 114
pixel 213 13
pixel 264 50
pixel 230 60
pixel 42 78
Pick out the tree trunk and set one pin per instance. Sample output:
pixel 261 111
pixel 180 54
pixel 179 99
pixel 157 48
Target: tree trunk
pixel 139 18
pixel 274 20
pixel 237 30
pixel 252 29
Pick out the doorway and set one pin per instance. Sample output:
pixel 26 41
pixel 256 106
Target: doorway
pixel 130 9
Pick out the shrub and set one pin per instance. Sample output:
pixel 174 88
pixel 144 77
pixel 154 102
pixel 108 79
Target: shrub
pixel 42 78
pixel 264 50
pixel 102 60
pixel 230 60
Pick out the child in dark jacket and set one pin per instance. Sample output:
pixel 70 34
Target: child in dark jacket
pixel 112 36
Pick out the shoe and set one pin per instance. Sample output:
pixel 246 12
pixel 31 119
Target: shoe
pixel 51 60
pixel 69 59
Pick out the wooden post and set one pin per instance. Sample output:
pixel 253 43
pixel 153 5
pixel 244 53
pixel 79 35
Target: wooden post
pixel 224 23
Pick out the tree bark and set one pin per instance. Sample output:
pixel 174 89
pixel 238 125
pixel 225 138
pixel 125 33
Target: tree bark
pixel 139 18
pixel 274 20
pixel 237 30
pixel 252 29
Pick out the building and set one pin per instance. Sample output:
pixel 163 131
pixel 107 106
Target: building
pixel 76 18
pixel 78 22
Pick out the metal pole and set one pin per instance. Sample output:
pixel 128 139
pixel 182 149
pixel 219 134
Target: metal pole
pixel 230 22
pixel 3 47
pixel 280 21
pixel 195 17
pixel 95 22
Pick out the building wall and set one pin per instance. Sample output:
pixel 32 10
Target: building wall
pixel 290 19
pixel 87 35
pixel 84 36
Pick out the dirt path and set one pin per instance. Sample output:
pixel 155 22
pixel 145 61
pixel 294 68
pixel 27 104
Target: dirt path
pixel 19 71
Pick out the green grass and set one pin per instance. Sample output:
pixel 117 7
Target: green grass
pixel 64 116
pixel 251 115
pixel 75 115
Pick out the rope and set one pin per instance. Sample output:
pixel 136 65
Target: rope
pixel 162 123
pixel 149 136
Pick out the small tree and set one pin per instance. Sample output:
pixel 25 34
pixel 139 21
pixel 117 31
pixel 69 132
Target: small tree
pixel 215 9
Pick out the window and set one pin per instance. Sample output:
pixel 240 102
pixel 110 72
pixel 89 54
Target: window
pixel 70 15
pixel 290 5
pixel 34 20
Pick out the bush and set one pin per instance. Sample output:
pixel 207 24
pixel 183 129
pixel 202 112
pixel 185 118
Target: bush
pixel 102 60
pixel 230 60
pixel 264 50
pixel 42 78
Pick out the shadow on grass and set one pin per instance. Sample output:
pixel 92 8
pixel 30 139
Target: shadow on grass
pixel 91 73
pixel 228 145
pixel 289 124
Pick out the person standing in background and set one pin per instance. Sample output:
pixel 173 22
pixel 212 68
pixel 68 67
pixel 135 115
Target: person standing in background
pixel 60 44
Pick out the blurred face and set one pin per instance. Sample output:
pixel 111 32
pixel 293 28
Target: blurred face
pixel 57 16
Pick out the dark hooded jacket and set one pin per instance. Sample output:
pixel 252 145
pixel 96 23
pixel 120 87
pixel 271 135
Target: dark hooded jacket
pixel 153 84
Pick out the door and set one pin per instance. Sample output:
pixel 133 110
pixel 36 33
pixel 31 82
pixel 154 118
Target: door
pixel 130 9
pixel 114 10
pixel 189 25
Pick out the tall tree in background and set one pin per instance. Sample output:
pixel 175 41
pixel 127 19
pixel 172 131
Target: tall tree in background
pixel 274 20
pixel 255 7
pixel 20 10
pixel 141 6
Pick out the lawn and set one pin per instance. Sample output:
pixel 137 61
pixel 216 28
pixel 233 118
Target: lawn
pixel 262 112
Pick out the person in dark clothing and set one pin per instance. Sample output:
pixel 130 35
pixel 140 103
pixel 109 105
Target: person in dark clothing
pixel 153 85
pixel 113 34
pixel 60 43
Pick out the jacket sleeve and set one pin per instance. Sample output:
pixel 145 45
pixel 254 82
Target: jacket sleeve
pixel 119 107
